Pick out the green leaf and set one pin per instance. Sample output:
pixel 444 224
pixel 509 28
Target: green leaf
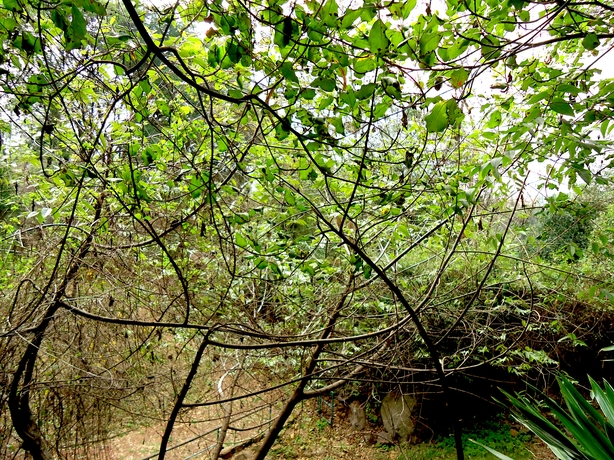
pixel 240 240
pixel 288 72
pixel 458 78
pixel 578 406
pixel 329 13
pixel 490 47
pixel 429 42
pixel 583 422
pixel 378 42
pixel 591 41
pixel 241 218
pixel 214 55
pixel 78 25
pixel 289 197
pixel 281 132
pixel 92 6
pixel 275 268
pixel 558 105
pixel 453 111
pixel 459 47
pixel 381 108
pixel 148 156
pixel 364 65
pixel 443 54
pixel 408 7
pixel 308 269
pixel 234 52
pixel 163 107
pixel 13 5
pixel 365 91
pixel 524 15
pixel 145 85
pixel 368 13
pixel 437 120
pixel 567 88
pixel 589 437
pixel 68 177
pixel 605 399
pixel 59 19
pixel 539 96
pixel 350 17
pixel 585 175
pixel 308 93
pixel 27 42
pixel 337 122
pixel 349 97
pixel 492 451
pixel 134 148
pixel 527 414
pixel 195 187
pixel 261 263
pixel 494 120
pixel 327 84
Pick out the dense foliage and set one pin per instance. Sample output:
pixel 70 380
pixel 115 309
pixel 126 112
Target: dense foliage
pixel 296 195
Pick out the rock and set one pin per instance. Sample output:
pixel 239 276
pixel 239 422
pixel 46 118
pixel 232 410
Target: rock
pixel 358 418
pixel 396 415
pixel 383 438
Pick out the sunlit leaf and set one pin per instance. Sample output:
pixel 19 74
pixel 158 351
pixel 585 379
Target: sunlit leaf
pixel 378 42
pixel 240 240
pixel 437 120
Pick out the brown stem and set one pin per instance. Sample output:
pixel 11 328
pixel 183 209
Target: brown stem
pixel 227 413
pixel 19 393
pixel 181 397
pixel 298 394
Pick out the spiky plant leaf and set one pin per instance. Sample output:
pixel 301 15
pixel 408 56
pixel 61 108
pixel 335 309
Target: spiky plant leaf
pixel 492 451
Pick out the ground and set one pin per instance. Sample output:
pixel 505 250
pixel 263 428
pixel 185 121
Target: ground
pixel 308 437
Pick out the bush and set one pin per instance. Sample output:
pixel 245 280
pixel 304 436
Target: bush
pixel 580 433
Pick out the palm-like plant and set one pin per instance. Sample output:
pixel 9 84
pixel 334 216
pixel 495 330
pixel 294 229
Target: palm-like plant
pixel 585 433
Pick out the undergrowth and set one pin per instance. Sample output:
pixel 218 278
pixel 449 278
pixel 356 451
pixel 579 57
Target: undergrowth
pixel 496 435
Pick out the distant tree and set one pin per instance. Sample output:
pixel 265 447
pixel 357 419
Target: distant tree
pixel 566 226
